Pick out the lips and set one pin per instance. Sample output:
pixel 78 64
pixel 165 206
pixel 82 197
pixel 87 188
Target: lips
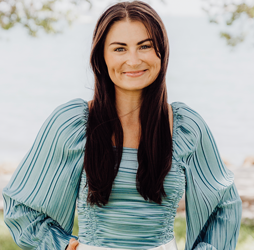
pixel 135 73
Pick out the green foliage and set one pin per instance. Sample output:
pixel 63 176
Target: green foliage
pixel 232 40
pixel 75 226
pixel 231 14
pixel 246 237
pixel 34 15
pixel 6 241
pixel 180 231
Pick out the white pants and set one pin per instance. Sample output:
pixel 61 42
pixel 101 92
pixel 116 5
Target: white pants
pixel 169 246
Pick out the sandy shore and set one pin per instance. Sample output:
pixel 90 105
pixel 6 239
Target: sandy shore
pixel 8 168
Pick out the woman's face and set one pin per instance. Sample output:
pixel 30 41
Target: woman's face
pixel 130 56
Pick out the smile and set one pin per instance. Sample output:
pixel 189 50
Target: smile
pixel 135 73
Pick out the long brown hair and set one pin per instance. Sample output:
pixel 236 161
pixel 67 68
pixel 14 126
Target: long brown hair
pixel 101 161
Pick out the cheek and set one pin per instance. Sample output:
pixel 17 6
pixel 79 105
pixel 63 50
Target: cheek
pixel 113 64
pixel 157 64
pixel 108 60
pixel 114 69
pixel 154 61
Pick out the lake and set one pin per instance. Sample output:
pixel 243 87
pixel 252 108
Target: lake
pixel 38 74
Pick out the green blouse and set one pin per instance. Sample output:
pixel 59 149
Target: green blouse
pixel 40 199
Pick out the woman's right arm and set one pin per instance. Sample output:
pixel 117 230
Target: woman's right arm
pixel 31 229
pixel 40 199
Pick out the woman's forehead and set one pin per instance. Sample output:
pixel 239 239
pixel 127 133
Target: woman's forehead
pixel 127 31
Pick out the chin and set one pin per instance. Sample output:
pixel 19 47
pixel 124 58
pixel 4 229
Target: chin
pixel 138 86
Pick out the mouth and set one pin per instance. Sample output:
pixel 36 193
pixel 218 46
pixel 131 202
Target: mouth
pixel 135 73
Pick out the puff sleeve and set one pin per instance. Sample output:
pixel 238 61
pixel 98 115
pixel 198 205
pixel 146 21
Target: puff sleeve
pixel 213 206
pixel 40 199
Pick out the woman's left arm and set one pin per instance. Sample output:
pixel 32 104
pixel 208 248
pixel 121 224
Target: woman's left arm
pixel 222 228
pixel 213 205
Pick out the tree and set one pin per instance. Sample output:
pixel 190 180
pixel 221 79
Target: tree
pixel 237 18
pixel 36 15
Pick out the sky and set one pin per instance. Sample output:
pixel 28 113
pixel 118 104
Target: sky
pixel 180 7
pixel 171 7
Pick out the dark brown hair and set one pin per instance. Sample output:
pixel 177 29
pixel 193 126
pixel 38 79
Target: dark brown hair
pixel 101 161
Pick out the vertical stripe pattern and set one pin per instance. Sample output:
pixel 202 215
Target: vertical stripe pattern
pixel 213 206
pixel 40 199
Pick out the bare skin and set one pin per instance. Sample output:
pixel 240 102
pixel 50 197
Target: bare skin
pixel 73 243
pixel 131 132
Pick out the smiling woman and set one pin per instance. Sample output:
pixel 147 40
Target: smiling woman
pixel 132 64
pixel 126 156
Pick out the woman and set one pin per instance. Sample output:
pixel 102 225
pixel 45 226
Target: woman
pixel 126 156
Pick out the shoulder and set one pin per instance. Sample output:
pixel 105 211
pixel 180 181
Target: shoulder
pixel 182 109
pixel 75 109
pixel 185 115
pixel 67 120
pixel 188 127
pixel 72 107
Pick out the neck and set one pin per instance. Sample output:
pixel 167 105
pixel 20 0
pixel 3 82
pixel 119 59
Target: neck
pixel 128 106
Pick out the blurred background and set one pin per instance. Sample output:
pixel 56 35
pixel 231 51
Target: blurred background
pixel 44 62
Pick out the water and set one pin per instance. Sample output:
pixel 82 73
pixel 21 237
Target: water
pixel 37 75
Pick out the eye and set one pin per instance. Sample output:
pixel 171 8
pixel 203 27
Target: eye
pixel 145 46
pixel 119 49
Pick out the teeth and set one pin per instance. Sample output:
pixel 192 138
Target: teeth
pixel 135 73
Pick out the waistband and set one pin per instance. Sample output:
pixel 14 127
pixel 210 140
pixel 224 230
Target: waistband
pixel 171 245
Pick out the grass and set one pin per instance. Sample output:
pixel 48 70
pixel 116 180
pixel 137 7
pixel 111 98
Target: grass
pixel 245 240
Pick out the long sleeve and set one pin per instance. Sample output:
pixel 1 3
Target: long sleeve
pixel 213 206
pixel 40 199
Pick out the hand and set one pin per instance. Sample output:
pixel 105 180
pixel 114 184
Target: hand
pixel 73 243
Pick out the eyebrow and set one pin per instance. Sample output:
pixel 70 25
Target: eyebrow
pixel 124 44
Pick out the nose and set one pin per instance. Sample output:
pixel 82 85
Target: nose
pixel 133 59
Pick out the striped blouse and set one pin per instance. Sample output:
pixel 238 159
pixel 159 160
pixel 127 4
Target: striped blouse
pixel 40 199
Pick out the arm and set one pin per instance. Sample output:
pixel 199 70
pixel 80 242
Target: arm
pixel 213 205
pixel 40 199
pixel 222 229
pixel 31 229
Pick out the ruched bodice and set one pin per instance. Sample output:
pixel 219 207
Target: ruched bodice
pixel 129 221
